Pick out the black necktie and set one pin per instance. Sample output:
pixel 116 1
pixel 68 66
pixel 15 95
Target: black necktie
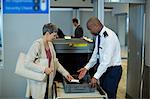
pixel 98 46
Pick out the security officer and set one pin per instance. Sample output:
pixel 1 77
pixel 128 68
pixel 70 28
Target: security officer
pixel 107 54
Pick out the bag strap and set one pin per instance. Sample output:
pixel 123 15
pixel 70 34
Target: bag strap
pixel 38 53
pixel 40 49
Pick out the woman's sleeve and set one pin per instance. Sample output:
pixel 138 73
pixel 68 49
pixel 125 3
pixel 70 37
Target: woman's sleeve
pixel 59 67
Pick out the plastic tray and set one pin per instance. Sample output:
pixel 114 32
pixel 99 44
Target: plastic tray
pixel 82 87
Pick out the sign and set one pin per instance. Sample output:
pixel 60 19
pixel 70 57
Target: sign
pixel 25 6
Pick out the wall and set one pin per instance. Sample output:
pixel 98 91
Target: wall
pixel 121 20
pixel 62 17
pixel 19 32
pixel 115 18
pixel 120 8
pixel 110 21
pixel 84 16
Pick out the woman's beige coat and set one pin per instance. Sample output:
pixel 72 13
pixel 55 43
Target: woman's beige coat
pixel 37 89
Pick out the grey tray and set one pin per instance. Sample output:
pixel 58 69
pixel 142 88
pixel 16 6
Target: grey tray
pixel 82 87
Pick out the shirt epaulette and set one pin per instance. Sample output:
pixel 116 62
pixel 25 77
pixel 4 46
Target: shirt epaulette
pixel 105 34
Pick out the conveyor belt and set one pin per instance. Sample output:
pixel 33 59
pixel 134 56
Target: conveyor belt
pixel 74 45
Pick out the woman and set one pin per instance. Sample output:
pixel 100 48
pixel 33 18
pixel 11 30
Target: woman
pixel 43 49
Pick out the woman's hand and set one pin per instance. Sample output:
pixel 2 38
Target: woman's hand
pixel 69 77
pixel 48 70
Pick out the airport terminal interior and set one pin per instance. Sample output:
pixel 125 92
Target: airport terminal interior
pixel 21 23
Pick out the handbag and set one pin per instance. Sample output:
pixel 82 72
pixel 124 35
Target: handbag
pixel 22 71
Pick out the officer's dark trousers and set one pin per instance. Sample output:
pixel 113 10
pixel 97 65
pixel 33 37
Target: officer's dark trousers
pixel 110 79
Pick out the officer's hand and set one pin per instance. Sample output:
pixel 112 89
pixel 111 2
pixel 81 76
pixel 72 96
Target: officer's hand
pixel 93 82
pixel 82 72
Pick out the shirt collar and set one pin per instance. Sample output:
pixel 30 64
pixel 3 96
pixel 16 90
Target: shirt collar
pixel 102 31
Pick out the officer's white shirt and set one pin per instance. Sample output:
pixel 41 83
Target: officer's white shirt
pixel 110 52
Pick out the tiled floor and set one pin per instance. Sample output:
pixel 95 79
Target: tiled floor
pixel 122 85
